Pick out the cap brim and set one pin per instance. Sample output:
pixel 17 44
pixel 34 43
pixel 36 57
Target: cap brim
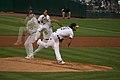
pixel 77 26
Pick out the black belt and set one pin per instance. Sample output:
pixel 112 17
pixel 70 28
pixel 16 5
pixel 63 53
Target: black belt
pixel 58 37
pixel 46 39
pixel 49 39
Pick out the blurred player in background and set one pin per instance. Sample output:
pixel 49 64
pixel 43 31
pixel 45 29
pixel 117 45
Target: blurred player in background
pixel 44 15
pixel 23 30
pixel 66 12
pixel 32 26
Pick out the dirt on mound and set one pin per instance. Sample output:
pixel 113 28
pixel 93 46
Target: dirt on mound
pixel 18 64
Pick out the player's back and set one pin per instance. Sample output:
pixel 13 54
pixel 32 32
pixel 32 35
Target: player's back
pixel 65 32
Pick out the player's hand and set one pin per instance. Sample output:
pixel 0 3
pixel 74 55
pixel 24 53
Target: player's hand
pixel 69 42
pixel 68 45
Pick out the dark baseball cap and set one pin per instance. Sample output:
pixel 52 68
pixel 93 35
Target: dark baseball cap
pixel 74 24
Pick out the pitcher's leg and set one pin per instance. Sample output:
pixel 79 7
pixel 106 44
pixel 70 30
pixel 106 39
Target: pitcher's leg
pixel 26 49
pixel 57 52
pixel 58 55
pixel 30 49
pixel 27 45
pixel 63 15
pixel 20 34
pixel 37 50
pixel 32 39
pixel 43 44
pixel 69 15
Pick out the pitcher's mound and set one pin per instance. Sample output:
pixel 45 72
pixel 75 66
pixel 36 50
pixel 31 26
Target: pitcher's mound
pixel 18 64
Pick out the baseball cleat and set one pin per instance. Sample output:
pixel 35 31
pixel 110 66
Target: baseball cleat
pixel 29 57
pixel 61 62
pixel 17 43
pixel 26 57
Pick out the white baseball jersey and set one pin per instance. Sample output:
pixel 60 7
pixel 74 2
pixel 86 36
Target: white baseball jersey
pixel 65 32
pixel 32 28
pixel 41 17
pixel 32 20
pixel 44 26
pixel 47 27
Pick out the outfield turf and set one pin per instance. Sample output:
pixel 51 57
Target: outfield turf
pixel 100 56
pixel 87 27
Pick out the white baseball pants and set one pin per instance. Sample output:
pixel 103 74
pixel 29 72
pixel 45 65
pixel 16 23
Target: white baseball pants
pixel 53 42
pixel 29 43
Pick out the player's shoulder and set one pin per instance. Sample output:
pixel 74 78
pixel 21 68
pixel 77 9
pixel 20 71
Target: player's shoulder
pixel 70 29
pixel 41 15
pixel 48 16
pixel 33 19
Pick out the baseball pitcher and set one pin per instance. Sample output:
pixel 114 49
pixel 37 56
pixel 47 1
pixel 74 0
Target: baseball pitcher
pixel 58 37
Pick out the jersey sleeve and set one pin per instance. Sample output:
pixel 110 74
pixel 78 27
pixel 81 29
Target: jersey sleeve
pixel 35 21
pixel 48 18
pixel 40 18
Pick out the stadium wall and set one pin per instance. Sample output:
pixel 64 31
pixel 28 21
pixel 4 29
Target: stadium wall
pixel 6 5
pixel 53 6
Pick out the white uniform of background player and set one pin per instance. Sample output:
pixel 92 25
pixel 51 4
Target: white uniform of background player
pixel 32 26
pixel 44 15
pixel 58 36
pixel 45 23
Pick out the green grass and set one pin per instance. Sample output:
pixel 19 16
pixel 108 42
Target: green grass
pixel 60 76
pixel 10 25
pixel 87 27
pixel 99 56
pixel 96 27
